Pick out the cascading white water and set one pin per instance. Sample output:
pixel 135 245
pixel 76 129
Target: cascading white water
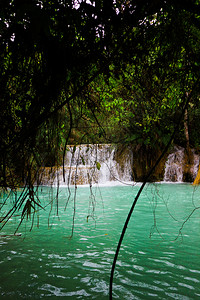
pixel 90 164
pixel 174 166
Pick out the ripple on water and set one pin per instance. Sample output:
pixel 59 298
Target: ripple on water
pixel 177 296
pixel 90 253
pixel 141 252
pixel 138 267
pixel 186 285
pixel 76 255
pixel 191 279
pixel 87 280
pixel 130 289
pixel 194 271
pixel 93 266
pixel 158 282
pixel 122 264
pixel 153 271
pixel 56 256
pixel 167 263
pixel 60 292
pixel 109 252
pixel 80 267
pixel 141 285
pixel 130 272
pixel 100 286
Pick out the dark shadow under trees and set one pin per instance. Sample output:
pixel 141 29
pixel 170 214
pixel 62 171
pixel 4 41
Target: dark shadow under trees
pixel 53 55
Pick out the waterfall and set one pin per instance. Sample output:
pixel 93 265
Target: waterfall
pixel 195 165
pixel 104 164
pixel 174 166
pixel 91 164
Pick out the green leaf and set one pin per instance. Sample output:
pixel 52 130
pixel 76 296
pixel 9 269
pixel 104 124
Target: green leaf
pixel 98 165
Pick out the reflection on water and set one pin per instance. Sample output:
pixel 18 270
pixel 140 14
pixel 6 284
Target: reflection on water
pixel 158 258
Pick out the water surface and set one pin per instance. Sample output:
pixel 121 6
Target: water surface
pixel 159 256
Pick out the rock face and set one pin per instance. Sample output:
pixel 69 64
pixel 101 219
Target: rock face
pixel 176 166
pixel 144 159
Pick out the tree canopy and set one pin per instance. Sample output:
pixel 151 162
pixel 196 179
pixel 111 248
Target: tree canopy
pixel 65 65
pixel 93 71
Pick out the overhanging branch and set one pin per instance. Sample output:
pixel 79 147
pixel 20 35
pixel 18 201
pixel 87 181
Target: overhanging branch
pixel 185 104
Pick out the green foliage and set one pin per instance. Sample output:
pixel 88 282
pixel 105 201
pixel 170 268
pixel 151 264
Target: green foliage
pixel 98 165
pixel 97 71
pixel 143 98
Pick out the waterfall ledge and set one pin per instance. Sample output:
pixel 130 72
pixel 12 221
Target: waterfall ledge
pixel 108 164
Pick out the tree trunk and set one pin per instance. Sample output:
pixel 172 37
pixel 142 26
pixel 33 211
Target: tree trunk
pixel 187 133
pixel 188 157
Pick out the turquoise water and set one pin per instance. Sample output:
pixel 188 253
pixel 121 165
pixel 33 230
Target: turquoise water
pixel 159 257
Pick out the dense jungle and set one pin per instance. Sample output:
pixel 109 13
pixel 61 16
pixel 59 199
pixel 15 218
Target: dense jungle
pixel 72 72
pixel 95 72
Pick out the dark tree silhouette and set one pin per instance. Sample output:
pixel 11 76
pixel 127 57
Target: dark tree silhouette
pixel 50 51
